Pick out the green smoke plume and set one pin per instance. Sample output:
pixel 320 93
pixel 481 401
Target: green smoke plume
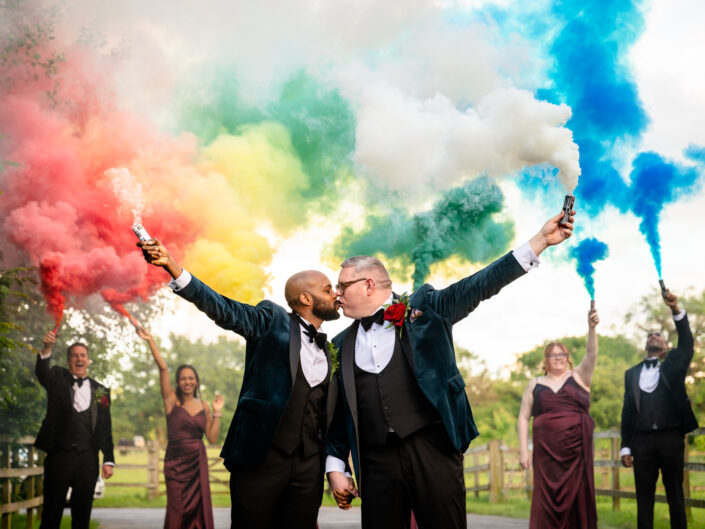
pixel 459 224
pixel 319 119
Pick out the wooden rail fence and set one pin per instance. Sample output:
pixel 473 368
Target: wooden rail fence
pixel 22 466
pixel 492 467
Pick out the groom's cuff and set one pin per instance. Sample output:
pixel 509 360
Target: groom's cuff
pixel 109 463
pixel 526 257
pixel 181 281
pixel 333 464
pixel 679 316
pixel 625 451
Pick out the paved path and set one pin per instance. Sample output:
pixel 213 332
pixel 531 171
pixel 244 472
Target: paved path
pixel 328 518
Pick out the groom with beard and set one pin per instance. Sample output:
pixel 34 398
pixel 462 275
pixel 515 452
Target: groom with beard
pixel 274 447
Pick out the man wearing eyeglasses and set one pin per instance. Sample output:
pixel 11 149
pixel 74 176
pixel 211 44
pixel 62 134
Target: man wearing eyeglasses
pixel 274 449
pixel 402 410
pixel 656 415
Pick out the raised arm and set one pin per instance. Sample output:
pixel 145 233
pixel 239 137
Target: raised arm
pixel 587 366
pixel 527 403
pixel 42 367
pixel 459 299
pixel 168 394
pixel 213 421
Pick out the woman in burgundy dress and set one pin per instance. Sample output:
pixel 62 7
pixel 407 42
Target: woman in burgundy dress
pixel 564 486
pixel 188 495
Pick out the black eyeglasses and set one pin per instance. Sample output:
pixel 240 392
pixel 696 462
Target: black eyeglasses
pixel 340 287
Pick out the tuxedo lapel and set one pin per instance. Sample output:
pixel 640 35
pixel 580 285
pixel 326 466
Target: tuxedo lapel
pixel 348 369
pixel 294 346
pixel 635 384
pixel 406 345
pixel 93 406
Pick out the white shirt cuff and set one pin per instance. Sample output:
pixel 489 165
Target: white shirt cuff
pixel 626 451
pixel 526 257
pixel 333 464
pixel 45 356
pixel 679 316
pixel 181 281
pixel 109 463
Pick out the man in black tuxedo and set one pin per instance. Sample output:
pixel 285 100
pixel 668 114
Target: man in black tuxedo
pixel 656 415
pixel 274 449
pixel 403 412
pixel 77 425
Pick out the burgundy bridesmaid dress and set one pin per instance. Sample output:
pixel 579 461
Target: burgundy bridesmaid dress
pixel 564 485
pixel 188 494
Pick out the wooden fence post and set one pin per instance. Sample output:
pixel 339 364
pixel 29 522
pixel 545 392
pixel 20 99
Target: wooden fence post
pixel 7 486
pixel 496 470
pixel 475 460
pixel 152 470
pixel 30 487
pixel 614 456
pixel 686 482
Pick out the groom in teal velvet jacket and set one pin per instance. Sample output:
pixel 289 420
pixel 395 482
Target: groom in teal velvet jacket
pixel 275 444
pixel 402 410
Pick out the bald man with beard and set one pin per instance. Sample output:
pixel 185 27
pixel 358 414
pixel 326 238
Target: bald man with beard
pixel 274 447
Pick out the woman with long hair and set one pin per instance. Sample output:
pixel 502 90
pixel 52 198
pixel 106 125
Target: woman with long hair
pixel 559 401
pixel 188 503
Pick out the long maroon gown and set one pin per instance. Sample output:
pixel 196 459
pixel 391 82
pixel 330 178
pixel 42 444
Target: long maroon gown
pixel 188 493
pixel 564 484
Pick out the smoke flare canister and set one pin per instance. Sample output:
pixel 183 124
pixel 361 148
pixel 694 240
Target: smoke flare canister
pixel 141 233
pixel 592 305
pixel 568 204
pixel 664 290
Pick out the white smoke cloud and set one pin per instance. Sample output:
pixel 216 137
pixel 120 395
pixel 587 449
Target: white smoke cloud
pixel 420 144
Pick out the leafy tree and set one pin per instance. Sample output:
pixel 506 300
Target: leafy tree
pixel 138 408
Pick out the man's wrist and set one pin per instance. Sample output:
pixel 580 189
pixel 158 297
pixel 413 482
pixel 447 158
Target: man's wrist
pixel 538 244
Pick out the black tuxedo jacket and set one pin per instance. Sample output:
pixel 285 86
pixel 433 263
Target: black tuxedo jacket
pixel 427 343
pixel 673 371
pixel 58 383
pixel 272 357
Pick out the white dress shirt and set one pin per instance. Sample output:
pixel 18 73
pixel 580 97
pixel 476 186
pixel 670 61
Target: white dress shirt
pixel 649 378
pixel 81 395
pixel 314 363
pixel 374 348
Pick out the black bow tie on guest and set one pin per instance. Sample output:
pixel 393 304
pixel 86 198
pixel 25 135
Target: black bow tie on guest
pixel 377 317
pixel 313 334
pixel 651 362
pixel 79 380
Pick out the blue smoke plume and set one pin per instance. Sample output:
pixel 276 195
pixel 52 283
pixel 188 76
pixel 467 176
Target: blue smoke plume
pixel 586 254
pixel 590 74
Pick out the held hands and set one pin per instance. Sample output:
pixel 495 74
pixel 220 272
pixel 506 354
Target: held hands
pixel 551 233
pixel 107 471
pixel 343 489
pixel 218 403
pixel 627 461
pixel 593 319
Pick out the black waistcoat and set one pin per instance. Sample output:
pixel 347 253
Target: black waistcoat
pixel 79 436
pixel 302 422
pixel 656 409
pixel 391 398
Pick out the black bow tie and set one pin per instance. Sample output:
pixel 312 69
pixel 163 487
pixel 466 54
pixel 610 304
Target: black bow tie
pixel 651 362
pixel 79 380
pixel 377 317
pixel 313 335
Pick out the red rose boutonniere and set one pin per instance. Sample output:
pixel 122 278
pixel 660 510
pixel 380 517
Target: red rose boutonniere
pixel 395 313
pixel 101 399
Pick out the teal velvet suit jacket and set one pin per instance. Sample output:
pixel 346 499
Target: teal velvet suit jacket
pixel 427 343
pixel 272 357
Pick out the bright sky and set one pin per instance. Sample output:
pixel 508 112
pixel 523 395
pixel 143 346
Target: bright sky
pixel 552 302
